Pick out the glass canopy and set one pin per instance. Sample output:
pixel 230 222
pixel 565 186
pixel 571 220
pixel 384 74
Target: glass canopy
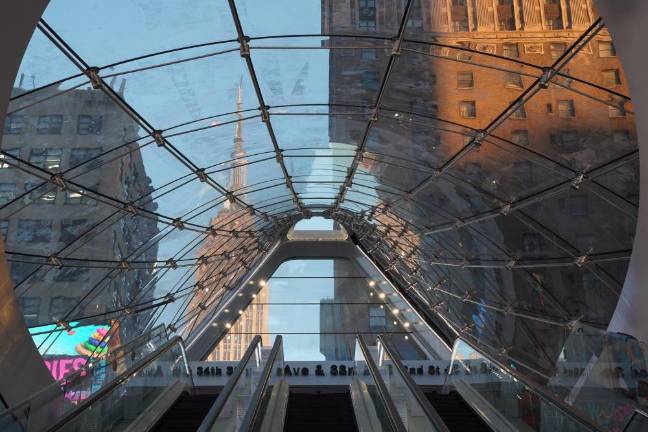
pixel 483 153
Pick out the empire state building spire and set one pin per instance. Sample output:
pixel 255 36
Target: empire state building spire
pixel 238 173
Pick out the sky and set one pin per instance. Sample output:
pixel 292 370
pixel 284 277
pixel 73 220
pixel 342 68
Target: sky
pixel 103 33
pixel 106 32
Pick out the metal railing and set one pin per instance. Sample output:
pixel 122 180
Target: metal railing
pixel 120 356
pixel 253 412
pixel 638 422
pixel 532 387
pixel 390 409
pixel 123 377
pixel 423 402
pixel 216 409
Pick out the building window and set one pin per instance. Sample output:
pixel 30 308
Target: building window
pixel 89 125
pixel 7 192
pixel 4 228
pixel 531 242
pixel 14 124
pixel 71 229
pixel 611 77
pixel 519 113
pixel 616 112
pixel 474 172
pixel 549 108
pixel 510 50
pixel 513 80
pixel 523 171
pixel 606 49
pixel 76 198
pixel 370 80
pixel 50 125
pixel 459 13
pixel 368 54
pixel 69 274
pixel 520 137
pixel 566 109
pixel 15 152
pixel 31 310
pixel 415 21
pixel 621 137
pixel 557 49
pixel 34 231
pixel 467 109
pixel 81 155
pixel 367 15
pixel 553 15
pixel 60 306
pixel 47 158
pixel 465 80
pixel 578 205
pixel 505 15
pixel 40 193
pixel 566 140
pixel 377 319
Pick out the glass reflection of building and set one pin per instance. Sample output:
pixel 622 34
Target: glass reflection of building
pixel 466 69
pixel 71 130
pixel 211 275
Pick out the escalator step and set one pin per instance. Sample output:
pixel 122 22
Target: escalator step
pixel 456 413
pixel 320 412
pixel 186 414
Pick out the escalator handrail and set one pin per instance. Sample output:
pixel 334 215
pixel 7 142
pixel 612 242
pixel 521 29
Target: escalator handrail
pixel 637 412
pixel 392 414
pixel 62 382
pixel 255 404
pixel 544 395
pixel 124 376
pixel 221 400
pixel 423 402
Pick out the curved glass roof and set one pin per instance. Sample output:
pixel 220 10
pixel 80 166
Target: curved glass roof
pixel 484 153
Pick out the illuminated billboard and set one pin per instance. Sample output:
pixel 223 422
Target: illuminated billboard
pixel 66 351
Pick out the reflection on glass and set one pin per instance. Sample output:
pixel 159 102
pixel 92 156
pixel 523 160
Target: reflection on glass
pixel 233 410
pixel 500 397
pixel 413 414
pixel 501 197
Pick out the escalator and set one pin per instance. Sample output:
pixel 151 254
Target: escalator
pixel 456 413
pixel 187 413
pixel 154 391
pixel 320 411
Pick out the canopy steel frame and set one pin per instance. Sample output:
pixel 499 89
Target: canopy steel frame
pixel 99 83
pixel 265 114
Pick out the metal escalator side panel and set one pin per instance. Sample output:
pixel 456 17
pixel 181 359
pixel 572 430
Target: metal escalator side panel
pixel 363 407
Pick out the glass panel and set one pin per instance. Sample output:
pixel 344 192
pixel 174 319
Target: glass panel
pixel 41 65
pixel 599 371
pixel 148 27
pixel 173 94
pixel 410 409
pixel 272 392
pixel 367 389
pixel 92 374
pixel 238 401
pixel 497 395
pixel 126 402
pixel 624 180
pixel 582 132
pixel 441 82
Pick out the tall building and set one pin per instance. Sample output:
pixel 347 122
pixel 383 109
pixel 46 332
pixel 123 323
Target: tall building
pixel 213 276
pixel 63 131
pixel 445 86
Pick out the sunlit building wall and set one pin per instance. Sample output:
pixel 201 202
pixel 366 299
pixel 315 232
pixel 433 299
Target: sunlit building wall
pixel 470 88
